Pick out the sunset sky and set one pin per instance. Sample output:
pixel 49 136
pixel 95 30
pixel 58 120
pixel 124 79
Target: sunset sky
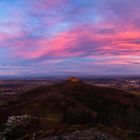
pixel 74 37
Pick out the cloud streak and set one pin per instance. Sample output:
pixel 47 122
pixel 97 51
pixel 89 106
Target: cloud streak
pixel 74 34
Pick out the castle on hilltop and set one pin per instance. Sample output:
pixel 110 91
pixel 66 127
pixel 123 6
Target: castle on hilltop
pixel 74 79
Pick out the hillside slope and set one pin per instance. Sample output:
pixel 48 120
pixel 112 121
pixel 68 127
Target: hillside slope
pixel 75 102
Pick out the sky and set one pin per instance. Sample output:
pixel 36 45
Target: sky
pixel 69 37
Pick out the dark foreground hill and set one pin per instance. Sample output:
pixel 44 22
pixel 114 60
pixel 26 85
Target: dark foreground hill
pixel 74 102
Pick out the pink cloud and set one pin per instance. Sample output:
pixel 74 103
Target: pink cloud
pixel 44 5
pixel 61 44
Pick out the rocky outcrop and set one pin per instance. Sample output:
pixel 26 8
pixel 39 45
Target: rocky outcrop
pixel 18 126
pixel 89 134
